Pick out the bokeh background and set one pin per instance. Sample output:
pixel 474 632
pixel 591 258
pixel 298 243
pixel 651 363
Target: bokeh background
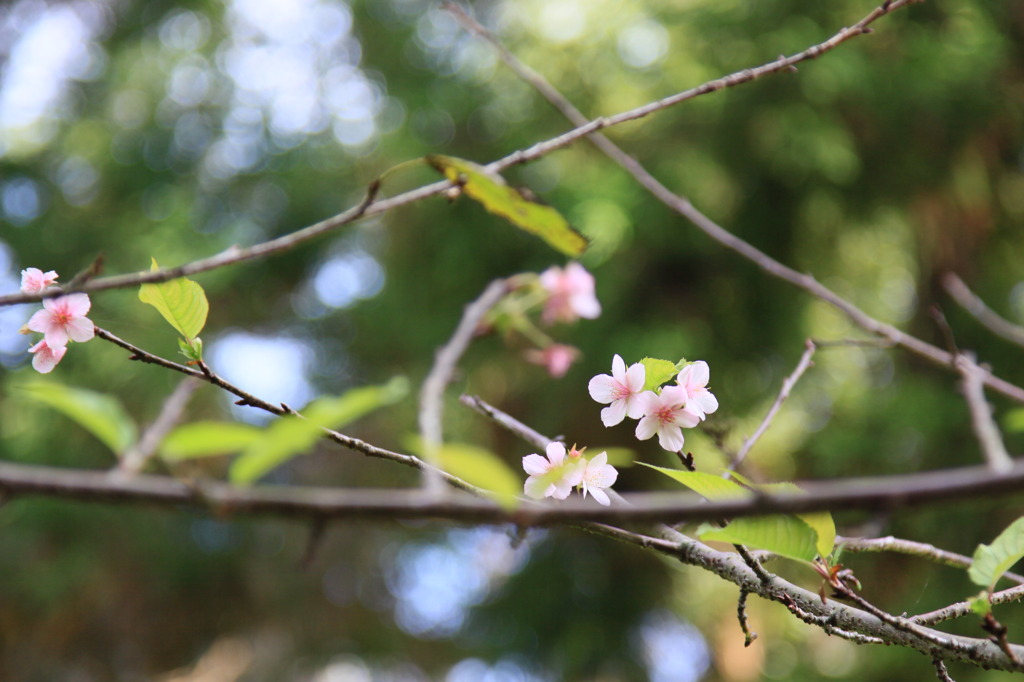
pixel 134 128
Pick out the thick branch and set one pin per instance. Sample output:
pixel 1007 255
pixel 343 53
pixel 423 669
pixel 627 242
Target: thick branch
pixel 882 493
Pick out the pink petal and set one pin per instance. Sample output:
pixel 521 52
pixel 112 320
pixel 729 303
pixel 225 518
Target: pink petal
pixel 40 321
pixel 81 329
pixel 686 418
pixel 618 367
pixel 706 400
pixel 674 396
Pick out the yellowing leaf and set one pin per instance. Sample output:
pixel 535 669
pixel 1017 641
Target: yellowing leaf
pixel 491 190
pixel 181 301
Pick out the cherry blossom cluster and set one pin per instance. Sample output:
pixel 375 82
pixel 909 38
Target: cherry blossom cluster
pixel 62 320
pixel 556 474
pixel 665 410
pixel 564 295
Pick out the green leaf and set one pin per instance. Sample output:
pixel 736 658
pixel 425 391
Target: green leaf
pixel 707 485
pixel 292 435
pixel 1013 420
pixel 100 414
pixel 181 301
pixel 717 488
pixel 193 350
pixel 483 469
pixel 785 535
pixel 991 561
pixel 495 195
pixel 657 372
pixel 821 522
pixel 980 603
pixel 208 439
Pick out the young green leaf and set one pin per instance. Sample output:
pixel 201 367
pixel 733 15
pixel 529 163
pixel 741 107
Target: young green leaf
pixel 991 561
pixel 980 603
pixel 1013 420
pixel 494 194
pixel 785 535
pixel 100 414
pixel 658 372
pixel 208 439
pixel 182 303
pixel 821 522
pixel 293 435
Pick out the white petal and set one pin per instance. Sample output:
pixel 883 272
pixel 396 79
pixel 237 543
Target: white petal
pixel 556 452
pixel 647 427
pixel 670 438
pixel 618 367
pixel 535 465
pixel 603 388
pixel 634 407
pixel 600 496
pixel 614 413
pixel 686 418
pixel 636 375
pixel 533 488
pixel 707 401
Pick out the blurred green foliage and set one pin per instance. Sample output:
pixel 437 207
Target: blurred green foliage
pixel 188 126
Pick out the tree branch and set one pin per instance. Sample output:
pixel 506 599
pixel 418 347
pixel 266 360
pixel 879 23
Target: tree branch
pixel 432 392
pixel 970 302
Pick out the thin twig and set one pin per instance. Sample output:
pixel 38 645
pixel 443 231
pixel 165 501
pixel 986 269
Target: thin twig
pixel 940 669
pixel 432 393
pixel 991 320
pixel 918 549
pixel 787 387
pixel 683 207
pixel 506 421
pixel 135 459
pixel 985 429
pixel 963 608
pixel 741 614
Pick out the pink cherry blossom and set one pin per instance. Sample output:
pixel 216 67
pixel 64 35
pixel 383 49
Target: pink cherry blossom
pixel 556 358
pixel 62 319
pixel 34 280
pixel 621 389
pixel 46 358
pixel 570 294
pixel 694 380
pixel 666 416
pixel 552 477
pixel 597 476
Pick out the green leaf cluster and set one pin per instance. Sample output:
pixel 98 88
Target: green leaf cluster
pixel 799 536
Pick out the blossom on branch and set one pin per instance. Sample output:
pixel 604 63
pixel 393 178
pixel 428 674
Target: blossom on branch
pixel 597 476
pixel 63 319
pixel 46 358
pixel 556 358
pixel 622 389
pixel 570 294
pixel 666 415
pixel 34 280
pixel 555 476
pixel 694 380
